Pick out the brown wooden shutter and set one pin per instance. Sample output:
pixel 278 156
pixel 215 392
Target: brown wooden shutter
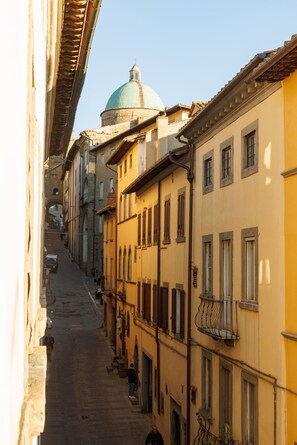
pixel 182 313
pixel 173 311
pixel 139 230
pixel 155 304
pixel 156 223
pixel 144 228
pixel 147 302
pixel 138 297
pixel 142 300
pixel 167 220
pixel 164 308
pixel 149 226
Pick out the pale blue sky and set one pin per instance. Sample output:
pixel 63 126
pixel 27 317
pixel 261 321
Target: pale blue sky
pixel 187 50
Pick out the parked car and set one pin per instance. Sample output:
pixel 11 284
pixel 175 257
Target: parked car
pixel 51 262
pixel 49 322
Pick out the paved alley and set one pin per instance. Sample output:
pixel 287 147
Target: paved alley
pixel 84 404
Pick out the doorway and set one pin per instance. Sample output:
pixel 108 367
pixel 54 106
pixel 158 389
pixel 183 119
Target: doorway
pixel 147 379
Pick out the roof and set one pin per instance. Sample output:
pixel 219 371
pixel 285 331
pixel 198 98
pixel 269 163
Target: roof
pixel 280 64
pixel 79 21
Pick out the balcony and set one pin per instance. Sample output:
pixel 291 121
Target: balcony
pixel 218 319
pixel 205 437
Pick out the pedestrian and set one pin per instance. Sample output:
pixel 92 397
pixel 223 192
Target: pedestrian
pixel 154 437
pixel 49 343
pixel 132 380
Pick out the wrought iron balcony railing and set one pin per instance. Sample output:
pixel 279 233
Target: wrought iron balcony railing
pixel 217 318
pixel 205 437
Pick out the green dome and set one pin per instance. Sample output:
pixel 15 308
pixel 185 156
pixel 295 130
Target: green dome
pixel 135 94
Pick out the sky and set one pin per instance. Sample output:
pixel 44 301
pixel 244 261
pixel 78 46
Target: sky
pixel 187 50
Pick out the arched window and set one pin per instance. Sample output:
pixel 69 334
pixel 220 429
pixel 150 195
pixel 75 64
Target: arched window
pixel 129 265
pixel 120 264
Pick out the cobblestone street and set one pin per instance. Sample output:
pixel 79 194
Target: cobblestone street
pixel 84 404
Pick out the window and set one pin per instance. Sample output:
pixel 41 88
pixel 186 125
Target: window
pixel 146 301
pixel 226 273
pixel 178 312
pixel 249 409
pixel 130 160
pixel 249 149
pixel 249 242
pixel 208 172
pixel 111 189
pixel 138 298
pixel 226 264
pixel 144 228
pixel 181 217
pixel 121 171
pixel 155 304
pixel 101 219
pixel 125 166
pixel 125 207
pixel 139 230
pixel 101 190
pixel 207 265
pixel 225 400
pixel 206 383
pixel 149 226
pixel 167 221
pixel 156 223
pixel 129 205
pixel 125 265
pixel 164 308
pixel 121 208
pixel 129 276
pixel 120 264
pixel 226 162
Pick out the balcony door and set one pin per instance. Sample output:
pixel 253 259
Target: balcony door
pixel 226 279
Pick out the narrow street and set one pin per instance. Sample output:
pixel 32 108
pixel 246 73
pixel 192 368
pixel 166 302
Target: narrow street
pixel 84 404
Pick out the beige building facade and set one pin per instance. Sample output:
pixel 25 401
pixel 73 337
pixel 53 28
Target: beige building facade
pixel 34 112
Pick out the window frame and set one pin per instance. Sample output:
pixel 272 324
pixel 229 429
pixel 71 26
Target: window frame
pixel 178 317
pixel 208 184
pixel 226 236
pixel 247 170
pixel 224 366
pixel 156 224
pixel 250 379
pixel 206 385
pixel 149 226
pixel 226 145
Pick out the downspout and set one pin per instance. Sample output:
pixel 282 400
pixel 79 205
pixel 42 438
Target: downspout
pixel 190 178
pixel 115 261
pixel 158 297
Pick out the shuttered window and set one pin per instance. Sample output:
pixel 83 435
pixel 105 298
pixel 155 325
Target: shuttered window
pixel 144 228
pixel 181 217
pixel 155 304
pixel 156 223
pixel 178 312
pixel 139 230
pixel 167 221
pixel 138 298
pixel 149 226
pixel 164 308
pixel 146 301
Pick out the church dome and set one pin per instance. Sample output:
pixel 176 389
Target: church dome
pixel 134 95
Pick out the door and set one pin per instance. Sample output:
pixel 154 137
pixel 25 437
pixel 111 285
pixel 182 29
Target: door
pixel 147 379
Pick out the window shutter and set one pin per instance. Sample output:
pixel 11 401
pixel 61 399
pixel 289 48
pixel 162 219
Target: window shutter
pixel 155 304
pixel 149 226
pixel 173 319
pixel 164 308
pixel 138 297
pixel 144 228
pixel 139 229
pixel 182 313
pixel 142 294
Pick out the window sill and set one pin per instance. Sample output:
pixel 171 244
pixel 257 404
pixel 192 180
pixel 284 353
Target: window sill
pixel 167 241
pixel 254 307
pixel 249 171
pixel 206 415
pixel 180 239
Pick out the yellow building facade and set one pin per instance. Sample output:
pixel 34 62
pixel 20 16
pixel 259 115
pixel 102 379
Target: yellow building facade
pixel 152 266
pixel 241 364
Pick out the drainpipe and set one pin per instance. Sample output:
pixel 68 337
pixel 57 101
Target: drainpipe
pixel 115 260
pixel 190 178
pixel 158 296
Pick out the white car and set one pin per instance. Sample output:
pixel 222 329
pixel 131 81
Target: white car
pixel 49 322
